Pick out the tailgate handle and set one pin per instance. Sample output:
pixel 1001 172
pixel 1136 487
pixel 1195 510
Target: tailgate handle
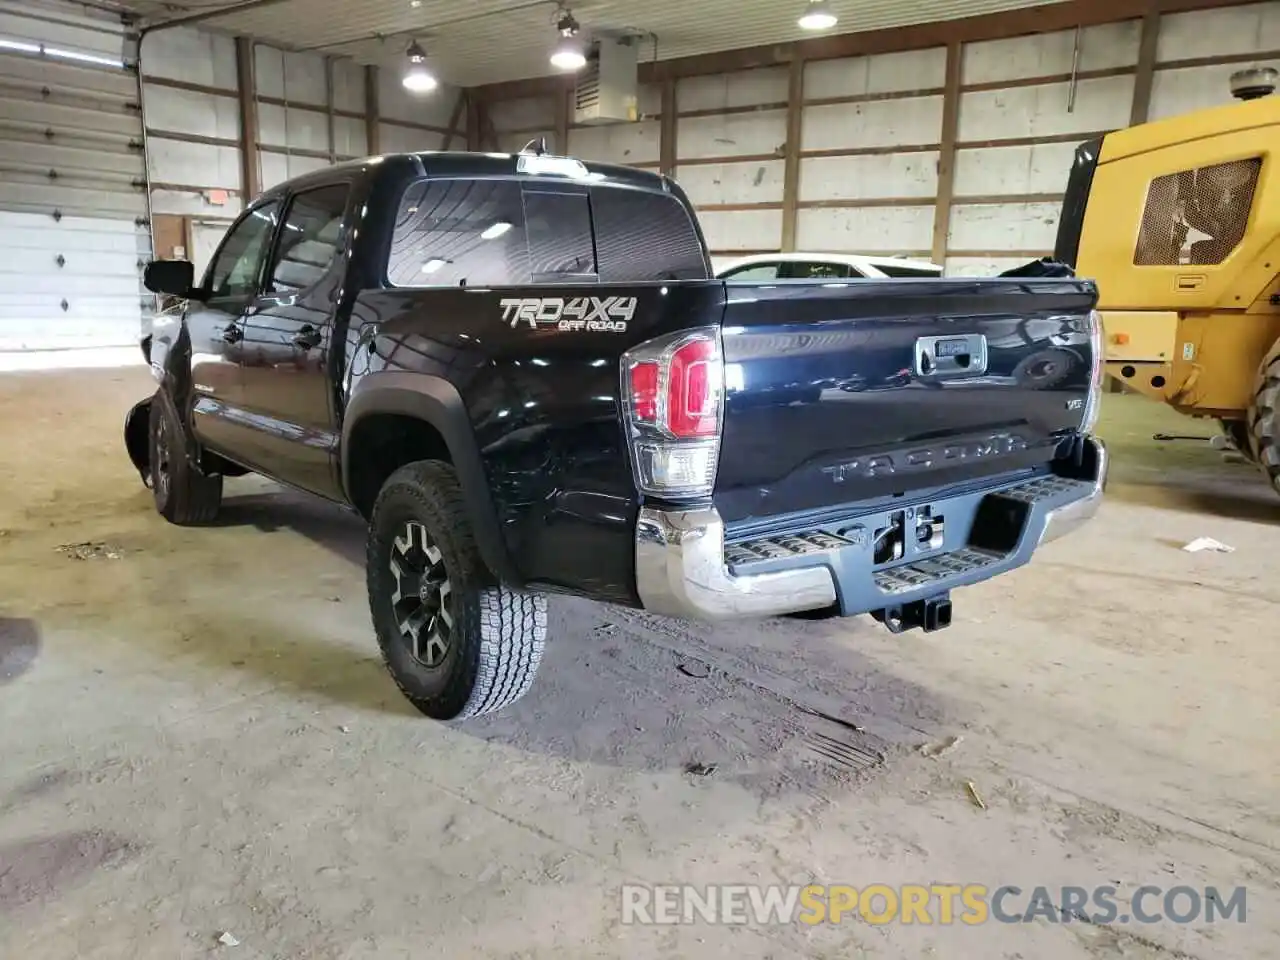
pixel 959 356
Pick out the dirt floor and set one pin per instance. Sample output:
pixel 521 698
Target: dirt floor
pixel 199 739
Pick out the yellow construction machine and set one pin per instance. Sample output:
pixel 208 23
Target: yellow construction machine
pixel 1178 221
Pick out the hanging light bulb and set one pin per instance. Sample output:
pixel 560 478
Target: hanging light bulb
pixel 417 78
pixel 818 15
pixel 568 53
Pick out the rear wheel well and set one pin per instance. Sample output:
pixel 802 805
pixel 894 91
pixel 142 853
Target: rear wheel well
pixel 379 445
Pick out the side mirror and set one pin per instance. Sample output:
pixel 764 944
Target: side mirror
pixel 174 277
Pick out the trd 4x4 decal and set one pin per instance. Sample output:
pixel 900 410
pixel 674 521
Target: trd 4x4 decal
pixel 593 314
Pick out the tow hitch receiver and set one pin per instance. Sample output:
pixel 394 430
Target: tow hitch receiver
pixel 927 615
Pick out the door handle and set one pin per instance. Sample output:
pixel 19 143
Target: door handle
pixel 308 338
pixel 233 333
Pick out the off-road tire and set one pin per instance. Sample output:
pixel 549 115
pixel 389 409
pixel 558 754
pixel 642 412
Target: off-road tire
pixel 183 494
pixel 1264 418
pixel 496 635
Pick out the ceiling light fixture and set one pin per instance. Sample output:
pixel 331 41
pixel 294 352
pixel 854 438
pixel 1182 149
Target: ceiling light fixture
pixel 818 15
pixel 417 78
pixel 569 53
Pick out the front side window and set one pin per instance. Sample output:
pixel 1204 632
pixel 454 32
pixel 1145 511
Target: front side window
pixel 236 271
pixel 643 236
pixel 310 240
pixel 1197 217
pixel 460 233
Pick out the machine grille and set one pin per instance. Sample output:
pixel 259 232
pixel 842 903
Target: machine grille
pixel 1197 217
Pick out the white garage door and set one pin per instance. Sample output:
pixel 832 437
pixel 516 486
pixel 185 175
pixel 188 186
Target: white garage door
pixel 73 230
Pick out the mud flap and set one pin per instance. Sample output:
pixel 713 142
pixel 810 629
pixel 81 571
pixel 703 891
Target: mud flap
pixel 137 439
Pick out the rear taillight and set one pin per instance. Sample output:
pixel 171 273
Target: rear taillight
pixel 673 392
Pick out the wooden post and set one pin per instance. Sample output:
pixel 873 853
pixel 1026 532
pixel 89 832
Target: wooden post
pixel 329 108
pixel 1146 71
pixel 372 112
pixel 668 127
pixel 562 122
pixel 455 119
pixel 250 179
pixel 947 155
pixel 791 168
pixel 473 120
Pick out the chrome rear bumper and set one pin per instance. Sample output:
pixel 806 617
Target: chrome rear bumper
pixel 681 568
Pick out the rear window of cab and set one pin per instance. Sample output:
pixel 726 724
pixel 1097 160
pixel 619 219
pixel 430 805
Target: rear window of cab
pixel 506 232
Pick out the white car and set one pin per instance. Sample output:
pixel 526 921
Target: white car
pixel 824 266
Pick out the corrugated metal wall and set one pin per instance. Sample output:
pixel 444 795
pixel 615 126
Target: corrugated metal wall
pixel 73 229
pixel 873 135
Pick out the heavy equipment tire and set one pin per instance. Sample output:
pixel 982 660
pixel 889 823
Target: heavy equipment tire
pixel 456 643
pixel 183 494
pixel 1264 417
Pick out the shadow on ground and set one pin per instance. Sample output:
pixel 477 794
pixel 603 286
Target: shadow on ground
pixel 778 700
pixel 19 647
pixel 338 530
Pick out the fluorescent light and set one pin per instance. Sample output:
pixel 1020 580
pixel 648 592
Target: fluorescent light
pixel 83 57
pixel 19 46
pixel 818 16
pixel 494 231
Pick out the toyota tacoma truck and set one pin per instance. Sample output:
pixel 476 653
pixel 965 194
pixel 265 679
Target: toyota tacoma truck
pixel 521 372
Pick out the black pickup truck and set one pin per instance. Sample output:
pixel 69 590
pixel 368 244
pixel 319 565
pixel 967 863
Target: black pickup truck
pixel 521 372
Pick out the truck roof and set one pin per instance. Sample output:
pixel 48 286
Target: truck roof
pixel 459 163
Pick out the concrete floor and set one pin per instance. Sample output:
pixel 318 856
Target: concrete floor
pixel 198 736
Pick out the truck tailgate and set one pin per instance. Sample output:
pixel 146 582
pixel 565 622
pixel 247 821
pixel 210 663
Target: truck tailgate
pixel 857 391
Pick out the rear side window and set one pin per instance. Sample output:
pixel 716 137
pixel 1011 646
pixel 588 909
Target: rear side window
pixel 460 232
pixel 558 227
pixel 310 239
pixel 643 236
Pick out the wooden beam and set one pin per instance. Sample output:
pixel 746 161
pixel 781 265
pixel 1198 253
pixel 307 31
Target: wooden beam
pixel 329 107
pixel 562 122
pixel 372 112
pixel 455 119
pixel 668 130
pixel 488 132
pixel 473 120
pixel 250 179
pixel 947 152
pixel 791 167
pixel 1146 73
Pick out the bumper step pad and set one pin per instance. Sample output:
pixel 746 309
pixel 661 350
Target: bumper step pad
pixel 1011 504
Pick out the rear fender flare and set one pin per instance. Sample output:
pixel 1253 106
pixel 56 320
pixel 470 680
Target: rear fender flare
pixel 437 402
